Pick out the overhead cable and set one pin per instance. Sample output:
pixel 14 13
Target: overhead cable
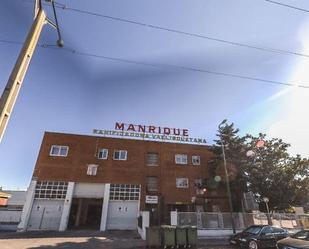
pixel 169 66
pixel 287 5
pixel 201 36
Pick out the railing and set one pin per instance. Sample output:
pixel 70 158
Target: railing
pixel 224 220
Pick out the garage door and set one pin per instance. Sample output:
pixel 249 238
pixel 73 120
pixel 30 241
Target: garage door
pixel 123 207
pixel 45 215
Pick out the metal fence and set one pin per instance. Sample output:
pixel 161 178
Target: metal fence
pixel 224 220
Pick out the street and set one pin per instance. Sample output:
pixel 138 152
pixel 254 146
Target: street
pixel 82 240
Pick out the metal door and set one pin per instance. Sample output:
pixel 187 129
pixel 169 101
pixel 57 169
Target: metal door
pixel 45 215
pixel 122 215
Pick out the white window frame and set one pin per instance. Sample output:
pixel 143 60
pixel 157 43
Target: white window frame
pixel 59 147
pixel 196 157
pixel 178 180
pixel 92 169
pixel 179 159
pixel 121 151
pixel 106 156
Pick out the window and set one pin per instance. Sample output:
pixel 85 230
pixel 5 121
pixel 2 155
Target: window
pixel 152 159
pixel 120 155
pixel 267 230
pixel 59 150
pixel 152 184
pixel 303 235
pixel 50 190
pixel 198 183
pixel 103 153
pixel 92 169
pixel 182 182
pixel 130 192
pixel 196 160
pixel 181 159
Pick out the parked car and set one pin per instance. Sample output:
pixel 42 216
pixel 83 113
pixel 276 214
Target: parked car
pixel 259 236
pixel 299 240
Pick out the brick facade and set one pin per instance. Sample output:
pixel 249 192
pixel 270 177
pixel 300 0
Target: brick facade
pixel 83 150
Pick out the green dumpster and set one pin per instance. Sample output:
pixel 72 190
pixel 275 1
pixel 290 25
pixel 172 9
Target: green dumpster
pixel 181 236
pixel 169 236
pixel 153 236
pixel 191 236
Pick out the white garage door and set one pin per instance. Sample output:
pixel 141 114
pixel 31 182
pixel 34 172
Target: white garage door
pixel 45 215
pixel 123 207
pixel 122 215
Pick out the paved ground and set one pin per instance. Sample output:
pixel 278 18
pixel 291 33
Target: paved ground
pixel 85 240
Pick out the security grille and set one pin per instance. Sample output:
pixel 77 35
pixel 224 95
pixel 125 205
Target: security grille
pixel 130 192
pixel 152 184
pixel 152 159
pixel 50 190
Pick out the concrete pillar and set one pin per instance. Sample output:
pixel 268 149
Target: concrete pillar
pixel 145 223
pixel 25 215
pixel 174 219
pixel 79 211
pixel 66 207
pixel 105 207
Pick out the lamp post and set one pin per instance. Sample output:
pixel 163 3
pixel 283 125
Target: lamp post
pixel 227 177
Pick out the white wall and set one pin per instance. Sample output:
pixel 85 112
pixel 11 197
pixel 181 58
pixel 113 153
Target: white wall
pixel 22 226
pixel 67 207
pixel 17 197
pixel 174 218
pixel 9 219
pixel 142 230
pixel 89 190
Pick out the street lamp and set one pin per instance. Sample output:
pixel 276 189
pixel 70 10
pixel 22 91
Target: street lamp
pixel 227 177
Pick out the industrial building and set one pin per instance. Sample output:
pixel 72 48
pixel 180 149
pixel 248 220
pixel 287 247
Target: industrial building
pixel 96 182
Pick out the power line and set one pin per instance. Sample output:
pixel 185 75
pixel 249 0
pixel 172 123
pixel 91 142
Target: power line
pixel 267 49
pixel 152 26
pixel 287 5
pixel 164 66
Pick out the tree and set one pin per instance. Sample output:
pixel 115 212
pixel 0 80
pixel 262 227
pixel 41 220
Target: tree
pixel 268 171
pixel 273 173
pixel 235 160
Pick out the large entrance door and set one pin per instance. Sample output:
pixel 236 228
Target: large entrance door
pixel 123 207
pixel 45 215
pixel 85 213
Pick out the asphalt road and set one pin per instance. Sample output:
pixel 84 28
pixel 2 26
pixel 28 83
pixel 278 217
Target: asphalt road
pixel 84 240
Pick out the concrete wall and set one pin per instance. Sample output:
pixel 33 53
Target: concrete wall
pixel 9 219
pixel 89 190
pixel 18 197
pixel 145 223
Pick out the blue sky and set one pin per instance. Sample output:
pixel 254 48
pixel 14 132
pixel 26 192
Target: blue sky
pixel 66 92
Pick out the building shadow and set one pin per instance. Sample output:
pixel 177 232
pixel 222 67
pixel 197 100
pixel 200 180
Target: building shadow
pixel 112 235
pixel 92 243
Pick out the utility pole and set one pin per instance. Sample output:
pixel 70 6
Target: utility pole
pixel 12 88
pixel 227 179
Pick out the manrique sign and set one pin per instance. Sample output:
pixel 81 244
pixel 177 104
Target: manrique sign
pixel 151 132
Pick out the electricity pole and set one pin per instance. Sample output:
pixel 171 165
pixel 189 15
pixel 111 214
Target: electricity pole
pixel 227 179
pixel 11 90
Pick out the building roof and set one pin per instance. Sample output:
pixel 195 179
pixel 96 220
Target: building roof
pixel 4 195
